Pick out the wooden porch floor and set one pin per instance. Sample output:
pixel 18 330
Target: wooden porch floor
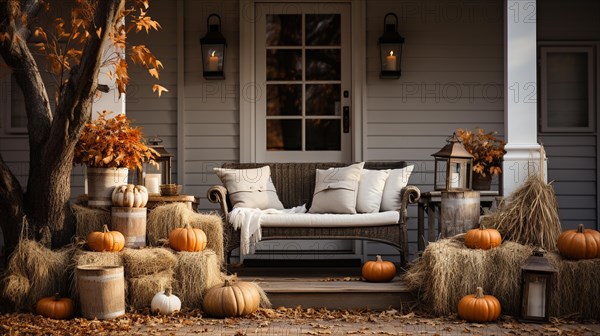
pixel 329 287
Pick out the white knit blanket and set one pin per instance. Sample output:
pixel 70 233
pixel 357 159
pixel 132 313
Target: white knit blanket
pixel 248 221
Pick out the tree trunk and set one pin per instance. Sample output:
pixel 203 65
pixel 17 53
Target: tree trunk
pixel 52 136
pixel 11 208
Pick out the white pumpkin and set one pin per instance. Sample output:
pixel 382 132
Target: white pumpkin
pixel 165 302
pixel 130 196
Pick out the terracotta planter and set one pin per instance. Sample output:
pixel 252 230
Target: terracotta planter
pixel 101 182
pixel 482 183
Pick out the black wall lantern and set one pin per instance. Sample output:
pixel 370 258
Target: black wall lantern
pixel 390 47
pixel 213 50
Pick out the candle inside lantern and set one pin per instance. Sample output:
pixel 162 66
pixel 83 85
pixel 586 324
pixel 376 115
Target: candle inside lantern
pixel 536 298
pixel 390 62
pixel 455 180
pixel 213 63
pixel 152 183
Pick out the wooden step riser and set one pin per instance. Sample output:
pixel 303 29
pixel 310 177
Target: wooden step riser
pixel 372 301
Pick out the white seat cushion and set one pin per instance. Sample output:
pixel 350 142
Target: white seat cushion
pixel 330 220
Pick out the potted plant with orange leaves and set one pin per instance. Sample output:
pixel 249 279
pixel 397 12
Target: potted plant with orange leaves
pixel 487 151
pixel 109 147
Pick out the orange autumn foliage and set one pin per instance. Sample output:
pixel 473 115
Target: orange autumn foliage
pixel 486 148
pixel 61 43
pixel 112 143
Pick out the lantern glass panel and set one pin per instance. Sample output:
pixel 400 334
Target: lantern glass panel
pixel 390 56
pixel 459 178
pixel 536 295
pixel 212 57
pixel 441 173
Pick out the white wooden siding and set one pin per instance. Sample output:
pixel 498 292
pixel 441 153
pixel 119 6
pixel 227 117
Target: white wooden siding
pixel 572 157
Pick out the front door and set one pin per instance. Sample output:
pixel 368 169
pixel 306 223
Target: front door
pixel 303 108
pixel 303 67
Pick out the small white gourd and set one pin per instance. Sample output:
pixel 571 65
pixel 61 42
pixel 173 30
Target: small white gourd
pixel 165 302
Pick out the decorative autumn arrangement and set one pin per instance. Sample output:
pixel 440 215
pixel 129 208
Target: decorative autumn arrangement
pixel 164 302
pixel 112 143
pixel 578 244
pixel 106 241
pixel 130 196
pixel 378 270
pixel 481 238
pixel 479 307
pixel 55 307
pixel 231 298
pixel 486 148
pixel 187 239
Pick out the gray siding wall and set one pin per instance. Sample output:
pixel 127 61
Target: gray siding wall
pixel 452 77
pixel 572 157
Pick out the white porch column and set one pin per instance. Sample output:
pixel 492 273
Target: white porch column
pixel 520 94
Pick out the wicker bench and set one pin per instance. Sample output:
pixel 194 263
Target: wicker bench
pixel 295 184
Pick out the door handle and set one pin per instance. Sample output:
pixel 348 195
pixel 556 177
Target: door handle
pixel 346 119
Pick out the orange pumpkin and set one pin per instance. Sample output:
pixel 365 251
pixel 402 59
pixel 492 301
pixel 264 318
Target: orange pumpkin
pixel 106 241
pixel 478 307
pixel 55 307
pixel 579 244
pixel 230 299
pixel 481 238
pixel 187 239
pixel 378 270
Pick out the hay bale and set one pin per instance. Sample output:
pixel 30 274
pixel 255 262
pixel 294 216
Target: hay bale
pixel 89 220
pixel 530 215
pixel 35 271
pixel 448 270
pixel 576 289
pixel 164 218
pixel 194 274
pixel 147 261
pixel 142 289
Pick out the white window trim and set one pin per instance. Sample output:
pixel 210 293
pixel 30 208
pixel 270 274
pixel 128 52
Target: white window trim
pixel 592 50
pixel 248 75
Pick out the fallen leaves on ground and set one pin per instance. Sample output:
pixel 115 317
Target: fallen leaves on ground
pixel 311 321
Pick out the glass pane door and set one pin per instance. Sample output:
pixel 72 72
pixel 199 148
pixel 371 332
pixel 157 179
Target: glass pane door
pixel 303 64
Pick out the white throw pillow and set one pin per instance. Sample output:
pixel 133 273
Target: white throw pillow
pixel 370 190
pixel 250 188
pixel 336 190
pixel 397 180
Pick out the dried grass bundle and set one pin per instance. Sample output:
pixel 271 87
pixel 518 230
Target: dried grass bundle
pixel 89 220
pixel 35 271
pixel 164 218
pixel 530 215
pixel 147 261
pixel 448 270
pixel 194 274
pixel 142 289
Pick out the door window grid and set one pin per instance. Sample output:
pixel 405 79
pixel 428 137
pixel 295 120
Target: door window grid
pixel 329 131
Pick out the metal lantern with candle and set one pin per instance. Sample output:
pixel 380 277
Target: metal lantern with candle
pixel 154 176
pixel 390 47
pixel 213 50
pixel 536 287
pixel 453 166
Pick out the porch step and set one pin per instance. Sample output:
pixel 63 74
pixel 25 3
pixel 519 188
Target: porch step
pixel 332 288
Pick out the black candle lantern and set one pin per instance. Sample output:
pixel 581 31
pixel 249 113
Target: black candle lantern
pixel 390 48
pixel 213 46
pixel 453 167
pixel 536 287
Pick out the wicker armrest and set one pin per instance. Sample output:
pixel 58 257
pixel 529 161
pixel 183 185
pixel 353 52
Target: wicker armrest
pixel 409 195
pixel 218 194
